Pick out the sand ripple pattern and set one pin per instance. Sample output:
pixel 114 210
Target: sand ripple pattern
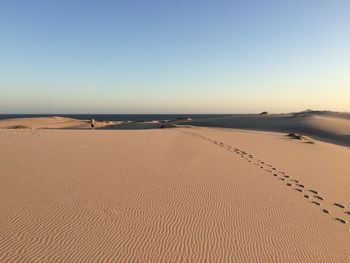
pixel 313 196
pixel 153 196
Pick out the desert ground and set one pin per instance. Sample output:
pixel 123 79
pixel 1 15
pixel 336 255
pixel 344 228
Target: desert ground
pixel 127 192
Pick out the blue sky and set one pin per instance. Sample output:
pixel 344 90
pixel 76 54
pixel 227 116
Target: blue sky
pixel 174 56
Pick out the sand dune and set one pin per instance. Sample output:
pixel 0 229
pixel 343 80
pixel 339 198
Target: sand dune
pixel 49 123
pixel 173 195
pixel 326 126
pixel 69 123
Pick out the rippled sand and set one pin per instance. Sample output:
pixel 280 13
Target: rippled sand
pixel 173 195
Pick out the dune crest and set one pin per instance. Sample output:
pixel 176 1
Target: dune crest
pixel 326 126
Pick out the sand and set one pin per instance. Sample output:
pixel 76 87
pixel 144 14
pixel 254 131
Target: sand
pixel 326 126
pixel 175 195
pixel 50 123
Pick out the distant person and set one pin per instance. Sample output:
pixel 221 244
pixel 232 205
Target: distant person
pixel 162 126
pixel 92 124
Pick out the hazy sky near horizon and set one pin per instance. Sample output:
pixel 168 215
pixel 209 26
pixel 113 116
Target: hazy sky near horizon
pixel 184 56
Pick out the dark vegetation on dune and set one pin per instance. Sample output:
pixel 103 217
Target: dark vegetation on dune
pixel 18 127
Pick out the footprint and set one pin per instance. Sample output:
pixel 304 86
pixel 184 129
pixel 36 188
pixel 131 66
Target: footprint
pixel 306 196
pixel 325 211
pixel 299 190
pixel 289 184
pixel 295 181
pixel 318 197
pixel 339 205
pixel 273 168
pixel 300 185
pixel 314 202
pixel 285 176
pixel 313 191
pixel 340 220
pixel 347 212
pixel 275 175
pixel 282 179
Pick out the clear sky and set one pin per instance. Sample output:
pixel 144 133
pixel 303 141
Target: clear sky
pixel 183 56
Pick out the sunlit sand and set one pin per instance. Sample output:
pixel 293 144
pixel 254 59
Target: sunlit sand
pixel 189 193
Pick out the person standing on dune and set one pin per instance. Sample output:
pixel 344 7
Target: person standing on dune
pixel 92 124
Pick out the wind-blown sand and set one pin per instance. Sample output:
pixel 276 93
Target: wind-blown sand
pixel 173 195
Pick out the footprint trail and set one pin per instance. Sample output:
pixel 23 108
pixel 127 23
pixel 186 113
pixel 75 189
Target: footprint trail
pixel 314 196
